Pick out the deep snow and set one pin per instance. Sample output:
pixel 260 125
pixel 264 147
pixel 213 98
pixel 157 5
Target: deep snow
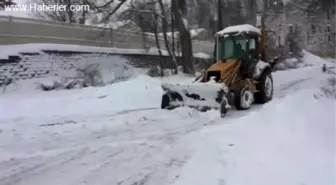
pixel 289 141
pixel 118 135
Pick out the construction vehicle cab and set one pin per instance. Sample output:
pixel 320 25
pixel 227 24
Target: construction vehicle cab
pixel 239 76
pixel 242 46
pixel 232 44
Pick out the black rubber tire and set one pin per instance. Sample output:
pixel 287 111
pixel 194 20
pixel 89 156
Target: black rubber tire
pixel 260 97
pixel 237 99
pixel 169 97
pixel 165 101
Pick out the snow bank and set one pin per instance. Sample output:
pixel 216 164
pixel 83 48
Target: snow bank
pixel 308 59
pixel 312 59
pixel 139 92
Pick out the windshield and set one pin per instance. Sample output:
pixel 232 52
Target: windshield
pixel 231 47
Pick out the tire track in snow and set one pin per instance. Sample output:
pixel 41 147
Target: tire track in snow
pixel 169 136
pixel 151 154
pixel 292 84
pixel 59 165
pixel 284 89
pixel 41 167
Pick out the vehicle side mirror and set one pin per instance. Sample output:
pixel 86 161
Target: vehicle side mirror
pixel 274 61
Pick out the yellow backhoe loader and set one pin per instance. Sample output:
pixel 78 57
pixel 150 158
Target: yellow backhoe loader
pixel 240 76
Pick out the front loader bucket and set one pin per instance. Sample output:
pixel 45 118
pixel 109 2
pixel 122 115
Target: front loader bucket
pixel 201 96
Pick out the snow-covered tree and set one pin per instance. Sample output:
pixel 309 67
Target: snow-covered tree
pixel 153 16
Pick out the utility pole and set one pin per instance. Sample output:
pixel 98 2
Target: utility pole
pixel 172 25
pixel 219 25
pixel 260 23
pixel 219 15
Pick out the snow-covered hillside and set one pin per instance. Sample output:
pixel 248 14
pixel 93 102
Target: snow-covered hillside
pixel 117 134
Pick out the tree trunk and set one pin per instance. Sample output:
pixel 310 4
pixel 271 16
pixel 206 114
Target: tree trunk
pixel 158 47
pixel 173 31
pixel 69 12
pixel 184 36
pixel 172 27
pixel 164 30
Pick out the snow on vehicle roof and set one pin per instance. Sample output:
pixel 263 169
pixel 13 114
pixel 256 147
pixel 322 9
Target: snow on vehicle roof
pixel 239 28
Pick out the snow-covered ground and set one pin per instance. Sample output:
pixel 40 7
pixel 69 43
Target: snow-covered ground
pixel 117 134
pixel 288 141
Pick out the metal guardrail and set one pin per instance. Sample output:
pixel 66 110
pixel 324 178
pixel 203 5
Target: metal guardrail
pixel 14 30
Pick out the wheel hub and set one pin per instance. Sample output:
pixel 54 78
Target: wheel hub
pixel 268 87
pixel 246 99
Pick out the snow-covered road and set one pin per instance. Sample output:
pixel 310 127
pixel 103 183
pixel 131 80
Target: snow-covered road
pixel 117 135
